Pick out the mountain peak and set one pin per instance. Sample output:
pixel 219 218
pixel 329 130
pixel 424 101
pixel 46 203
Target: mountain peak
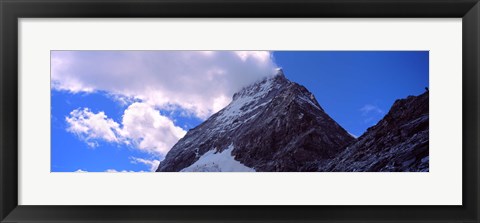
pixel 279 71
pixel 277 125
pixel 271 125
pixel 263 86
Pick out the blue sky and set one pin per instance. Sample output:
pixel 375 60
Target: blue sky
pixel 357 88
pixel 122 110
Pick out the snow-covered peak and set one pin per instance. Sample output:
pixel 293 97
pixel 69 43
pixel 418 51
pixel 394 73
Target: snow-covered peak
pixel 263 86
pixel 253 97
pixel 279 71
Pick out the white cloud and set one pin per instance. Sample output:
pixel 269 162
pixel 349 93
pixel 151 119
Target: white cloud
pixel 148 130
pixel 201 82
pixel 152 164
pixel 92 126
pixel 81 171
pixel 143 128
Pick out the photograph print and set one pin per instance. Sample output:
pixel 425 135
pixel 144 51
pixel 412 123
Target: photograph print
pixel 239 111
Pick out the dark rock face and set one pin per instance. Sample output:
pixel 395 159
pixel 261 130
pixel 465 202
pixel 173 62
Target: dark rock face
pixel 273 125
pixel 398 142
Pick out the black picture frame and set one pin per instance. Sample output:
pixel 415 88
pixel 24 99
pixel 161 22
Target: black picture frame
pixel 12 10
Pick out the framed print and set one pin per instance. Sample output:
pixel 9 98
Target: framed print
pixel 223 111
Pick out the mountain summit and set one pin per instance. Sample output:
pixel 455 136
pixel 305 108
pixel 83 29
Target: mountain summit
pixel 272 125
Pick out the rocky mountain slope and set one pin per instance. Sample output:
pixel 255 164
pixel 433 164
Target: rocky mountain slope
pixel 398 142
pixel 272 125
pixel 277 125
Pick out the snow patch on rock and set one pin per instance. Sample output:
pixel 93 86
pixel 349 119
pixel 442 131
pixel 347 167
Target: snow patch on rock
pixel 213 161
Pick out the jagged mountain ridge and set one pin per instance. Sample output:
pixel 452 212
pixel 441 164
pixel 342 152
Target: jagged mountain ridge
pixel 397 143
pixel 272 125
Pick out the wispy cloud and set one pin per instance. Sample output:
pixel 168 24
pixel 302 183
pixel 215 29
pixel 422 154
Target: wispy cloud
pixel 368 109
pixel 80 171
pixel 371 113
pixel 152 164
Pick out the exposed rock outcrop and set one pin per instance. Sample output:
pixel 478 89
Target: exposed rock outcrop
pixel 398 142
